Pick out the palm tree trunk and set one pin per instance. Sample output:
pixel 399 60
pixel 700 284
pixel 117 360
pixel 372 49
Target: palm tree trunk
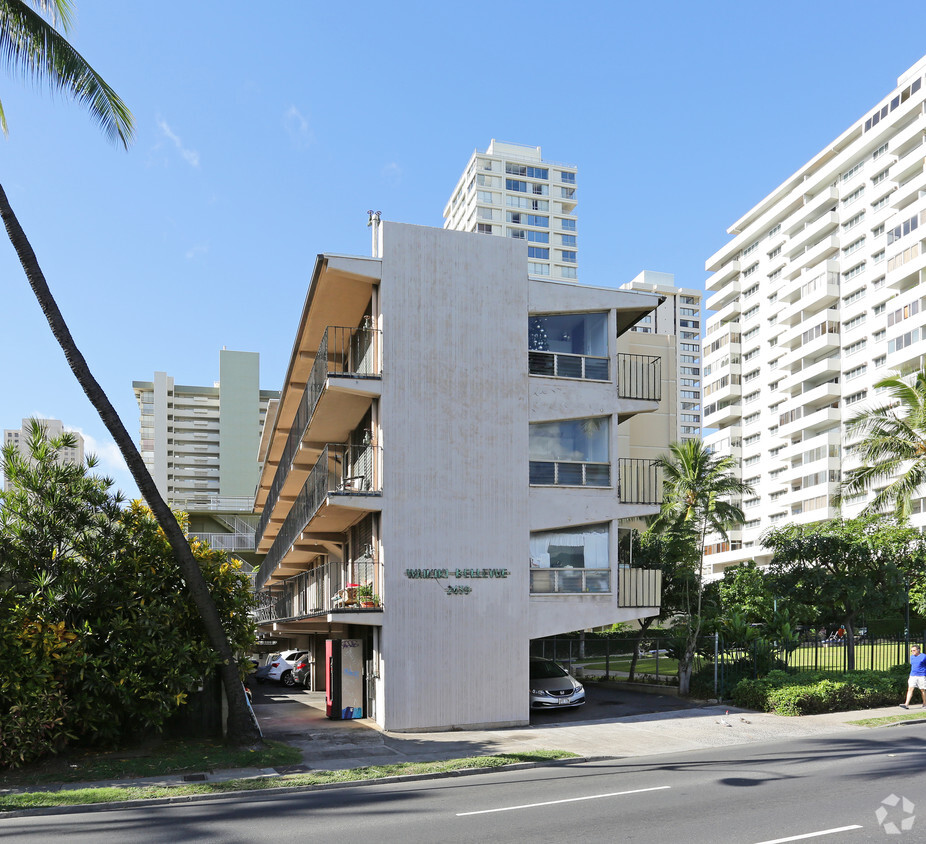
pixel 240 728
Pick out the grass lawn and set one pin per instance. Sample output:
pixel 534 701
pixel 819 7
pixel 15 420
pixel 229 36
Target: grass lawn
pixel 888 719
pixel 149 759
pixel 645 665
pixel 41 799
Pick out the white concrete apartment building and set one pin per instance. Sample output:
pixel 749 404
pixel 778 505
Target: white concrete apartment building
pixel 440 439
pixel 679 317
pixel 53 428
pixel 511 191
pixel 818 294
pixel 201 446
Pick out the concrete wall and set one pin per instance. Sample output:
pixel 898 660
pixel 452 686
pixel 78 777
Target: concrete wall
pixel 454 414
pixel 239 422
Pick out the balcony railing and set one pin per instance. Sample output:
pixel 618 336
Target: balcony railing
pixel 639 377
pixel 343 351
pixel 228 541
pixel 316 591
pixel 639 587
pixel 187 501
pixel 570 581
pixel 639 481
pixel 563 365
pixel 340 470
pixel 569 473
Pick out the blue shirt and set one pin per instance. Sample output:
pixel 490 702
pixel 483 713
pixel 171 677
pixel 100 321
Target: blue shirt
pixel 918 665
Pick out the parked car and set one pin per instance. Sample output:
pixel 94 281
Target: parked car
pixel 552 687
pixel 279 667
pixel 302 673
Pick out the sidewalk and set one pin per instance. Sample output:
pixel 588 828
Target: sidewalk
pixel 336 745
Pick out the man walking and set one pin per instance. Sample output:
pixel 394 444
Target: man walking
pixel 917 676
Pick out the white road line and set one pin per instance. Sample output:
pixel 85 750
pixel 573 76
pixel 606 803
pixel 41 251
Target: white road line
pixel 569 800
pixel 813 834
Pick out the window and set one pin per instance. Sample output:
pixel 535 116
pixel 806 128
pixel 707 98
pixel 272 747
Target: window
pixel 775 252
pixel 878 257
pixel 852 222
pixel 855 322
pixel 538 252
pixel 854 246
pixel 538 269
pixel 878 204
pixel 856 372
pixel 571 452
pixel 854 296
pixel 570 272
pixel 568 178
pixel 523 170
pixel 774 230
pixel 850 173
pixel 567 255
pixel 854 398
pixel 571 559
pixel 855 347
pixel 858 269
pixel 751 419
pixel 903 229
pixel 879 151
pixel 879 177
pixel 846 200
pixel 751 461
pixel 567 240
pixel 567 225
pixel 527 219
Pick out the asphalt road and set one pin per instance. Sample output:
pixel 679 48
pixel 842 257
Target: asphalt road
pixel 826 789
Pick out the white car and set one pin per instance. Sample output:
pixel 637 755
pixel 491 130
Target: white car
pixel 280 666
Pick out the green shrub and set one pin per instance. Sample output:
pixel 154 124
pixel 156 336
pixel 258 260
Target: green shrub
pixel 810 693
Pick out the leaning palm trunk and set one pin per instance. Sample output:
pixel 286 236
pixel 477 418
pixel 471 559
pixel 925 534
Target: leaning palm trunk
pixel 240 728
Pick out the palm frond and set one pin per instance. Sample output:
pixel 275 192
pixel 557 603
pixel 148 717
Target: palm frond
pixel 32 46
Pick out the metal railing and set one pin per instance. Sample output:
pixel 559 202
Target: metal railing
pixel 639 587
pixel 639 481
pixel 315 592
pixel 544 581
pixel 342 351
pixel 639 377
pixel 569 473
pixel 227 541
pixel 563 365
pixel 341 470
pixel 205 501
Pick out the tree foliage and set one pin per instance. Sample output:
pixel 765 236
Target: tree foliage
pixel 846 567
pixel 100 639
pixel 892 448
pixel 700 490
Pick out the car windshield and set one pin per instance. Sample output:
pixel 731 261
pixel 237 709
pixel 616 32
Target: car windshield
pixel 546 670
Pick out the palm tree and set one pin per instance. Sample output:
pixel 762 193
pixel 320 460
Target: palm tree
pixel 697 490
pixel 30 43
pixel 892 448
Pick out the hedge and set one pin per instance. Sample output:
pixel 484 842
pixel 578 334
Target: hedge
pixel 813 692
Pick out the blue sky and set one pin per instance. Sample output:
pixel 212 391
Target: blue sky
pixel 264 133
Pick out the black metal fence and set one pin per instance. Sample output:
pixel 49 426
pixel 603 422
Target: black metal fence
pixel 639 377
pixel 720 666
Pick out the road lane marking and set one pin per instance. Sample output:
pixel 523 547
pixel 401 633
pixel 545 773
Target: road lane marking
pixel 812 834
pixel 568 800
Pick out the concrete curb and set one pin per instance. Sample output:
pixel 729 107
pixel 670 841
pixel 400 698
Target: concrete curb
pixel 256 793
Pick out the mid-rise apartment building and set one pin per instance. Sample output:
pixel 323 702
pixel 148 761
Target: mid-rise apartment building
pixel 467 470
pixel 53 428
pixel 509 190
pixel 817 296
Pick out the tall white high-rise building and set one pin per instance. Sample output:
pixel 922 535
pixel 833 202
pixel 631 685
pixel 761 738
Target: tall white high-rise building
pixel 679 317
pixel 53 428
pixel 511 191
pixel 201 443
pixel 817 296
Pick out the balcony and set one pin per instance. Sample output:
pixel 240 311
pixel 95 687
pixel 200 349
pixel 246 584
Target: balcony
pixel 569 581
pixel 810 424
pixel 639 587
pixel 814 372
pixel 911 190
pixel 227 541
pixel 727 272
pixel 811 233
pixel 321 590
pixel 347 355
pixel 339 485
pixel 818 252
pixel 564 365
pixel 814 206
pixel 639 481
pixel 639 377
pixel 722 297
pixel 718 414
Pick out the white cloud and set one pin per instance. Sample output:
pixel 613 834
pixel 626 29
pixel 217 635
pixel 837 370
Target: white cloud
pixel 196 250
pixel 189 155
pixel 297 127
pixel 392 174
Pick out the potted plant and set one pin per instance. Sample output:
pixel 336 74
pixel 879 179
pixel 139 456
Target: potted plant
pixel 366 596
